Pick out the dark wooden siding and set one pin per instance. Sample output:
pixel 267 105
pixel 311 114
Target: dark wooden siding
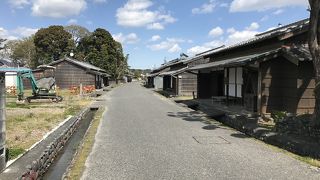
pixel 68 75
pixel 187 84
pixel 210 84
pixel 286 87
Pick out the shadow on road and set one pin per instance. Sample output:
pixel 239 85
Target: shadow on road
pixel 195 116
pixel 239 135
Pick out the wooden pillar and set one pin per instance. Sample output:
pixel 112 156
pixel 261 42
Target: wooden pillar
pixel 2 121
pixel 259 108
pixel 227 86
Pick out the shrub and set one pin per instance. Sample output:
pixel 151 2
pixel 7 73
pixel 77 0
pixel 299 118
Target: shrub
pixel 278 116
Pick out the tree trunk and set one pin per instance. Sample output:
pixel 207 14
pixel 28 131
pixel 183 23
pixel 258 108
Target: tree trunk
pixel 314 42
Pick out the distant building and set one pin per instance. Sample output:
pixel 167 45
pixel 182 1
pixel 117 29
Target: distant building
pixel 71 72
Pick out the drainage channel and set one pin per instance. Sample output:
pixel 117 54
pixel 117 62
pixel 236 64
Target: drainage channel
pixel 62 162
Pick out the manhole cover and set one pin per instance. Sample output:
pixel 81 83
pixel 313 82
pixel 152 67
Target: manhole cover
pixel 210 140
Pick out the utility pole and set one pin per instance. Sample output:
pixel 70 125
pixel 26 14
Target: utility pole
pixel 2 121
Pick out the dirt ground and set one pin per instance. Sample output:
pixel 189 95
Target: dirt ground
pixel 28 123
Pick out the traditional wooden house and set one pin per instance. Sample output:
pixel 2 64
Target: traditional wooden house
pixel 70 72
pixel 153 78
pixel 173 77
pixel 271 72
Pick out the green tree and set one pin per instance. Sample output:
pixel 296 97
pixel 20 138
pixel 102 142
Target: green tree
pixel 51 44
pixel 23 51
pixel 77 32
pixel 121 62
pixel 101 50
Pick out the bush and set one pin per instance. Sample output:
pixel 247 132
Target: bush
pixel 278 116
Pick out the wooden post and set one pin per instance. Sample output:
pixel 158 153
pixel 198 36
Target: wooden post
pixel 2 121
pixel 227 86
pixel 81 92
pixel 259 108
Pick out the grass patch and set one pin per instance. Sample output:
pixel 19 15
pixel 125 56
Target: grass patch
pixel 77 168
pixel 26 124
pixel 15 152
pixel 16 105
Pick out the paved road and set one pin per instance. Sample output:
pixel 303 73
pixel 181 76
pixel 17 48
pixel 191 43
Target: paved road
pixel 144 136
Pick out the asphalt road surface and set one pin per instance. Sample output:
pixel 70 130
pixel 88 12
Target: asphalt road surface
pixel 145 136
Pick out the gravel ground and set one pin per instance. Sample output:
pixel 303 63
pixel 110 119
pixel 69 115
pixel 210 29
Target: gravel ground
pixel 145 136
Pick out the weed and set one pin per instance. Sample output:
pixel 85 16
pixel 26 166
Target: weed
pixel 15 152
pixel 78 165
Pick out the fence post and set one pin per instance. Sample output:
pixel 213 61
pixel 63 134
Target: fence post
pixel 2 121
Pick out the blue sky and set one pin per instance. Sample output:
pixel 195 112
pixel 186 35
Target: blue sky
pixel 152 31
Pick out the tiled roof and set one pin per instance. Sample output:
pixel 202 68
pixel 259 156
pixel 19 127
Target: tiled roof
pixel 173 73
pixel 79 63
pixel 267 35
pixel 6 63
pixel 238 61
pixel 157 73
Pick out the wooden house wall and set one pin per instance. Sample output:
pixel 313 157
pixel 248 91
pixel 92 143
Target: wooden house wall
pixel 187 84
pixel 68 75
pixel 286 87
pixel 175 85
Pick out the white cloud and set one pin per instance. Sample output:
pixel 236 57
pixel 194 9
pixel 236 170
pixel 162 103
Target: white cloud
pixel 262 5
pixel 264 18
pixel 231 30
pixel 155 38
pixel 215 32
pixel 131 38
pixel 233 36
pixel 277 12
pixel 4 34
pixel 224 5
pixel 24 31
pixel 155 26
pixel 19 32
pixel 19 3
pixel 100 1
pixel 236 36
pixel 72 21
pixel 175 48
pixel 253 26
pixel 239 36
pixel 136 13
pixel 172 45
pixel 205 47
pixel 58 8
pixel 205 8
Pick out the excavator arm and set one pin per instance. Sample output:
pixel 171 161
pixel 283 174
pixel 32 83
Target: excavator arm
pixel 25 74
